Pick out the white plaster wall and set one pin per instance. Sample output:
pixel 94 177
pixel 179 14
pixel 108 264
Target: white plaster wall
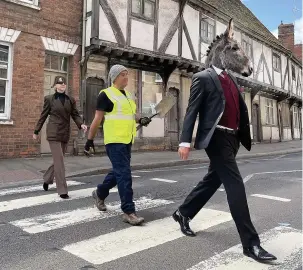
pixel 119 7
pixel 185 48
pixel 204 48
pixel 257 50
pixel 237 36
pixel 173 45
pixel 268 58
pixel 191 18
pixel 106 32
pixel 220 28
pixel 287 134
pixel 88 31
pixel 142 35
pixel 284 65
pixel 248 104
pixel 277 79
pixel 168 11
pixel 89 5
pixel 270 132
pixel 297 133
pixel 154 129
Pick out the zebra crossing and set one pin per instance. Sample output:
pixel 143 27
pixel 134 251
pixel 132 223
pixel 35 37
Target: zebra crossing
pixel 285 242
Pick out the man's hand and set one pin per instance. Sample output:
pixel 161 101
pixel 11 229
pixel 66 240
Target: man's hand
pixel 84 127
pixel 183 152
pixel 144 121
pixel 89 145
pixel 35 137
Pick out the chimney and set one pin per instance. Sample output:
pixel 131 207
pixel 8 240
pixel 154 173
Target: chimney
pixel 298 51
pixel 287 35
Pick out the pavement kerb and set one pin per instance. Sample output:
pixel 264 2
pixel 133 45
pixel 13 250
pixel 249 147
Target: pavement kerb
pixel 141 166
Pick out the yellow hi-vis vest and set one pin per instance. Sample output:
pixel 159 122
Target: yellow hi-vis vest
pixel 119 124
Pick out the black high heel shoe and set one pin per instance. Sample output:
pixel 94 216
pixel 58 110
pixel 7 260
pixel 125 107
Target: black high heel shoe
pixel 45 186
pixel 64 196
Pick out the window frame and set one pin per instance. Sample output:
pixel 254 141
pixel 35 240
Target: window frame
pixel 206 39
pixel 141 14
pixel 269 108
pixel 8 90
pixel 278 61
pixel 27 3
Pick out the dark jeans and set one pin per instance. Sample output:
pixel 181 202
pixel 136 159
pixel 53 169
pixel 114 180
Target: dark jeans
pixel 119 155
pixel 222 151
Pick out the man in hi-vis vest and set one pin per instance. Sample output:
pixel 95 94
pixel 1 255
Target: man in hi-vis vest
pixel 118 109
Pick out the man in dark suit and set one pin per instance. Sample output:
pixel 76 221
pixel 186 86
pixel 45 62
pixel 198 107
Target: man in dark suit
pixel 223 124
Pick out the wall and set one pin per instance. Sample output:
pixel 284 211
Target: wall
pixel 28 66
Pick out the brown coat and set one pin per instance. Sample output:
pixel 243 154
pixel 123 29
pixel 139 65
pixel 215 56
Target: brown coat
pixel 58 126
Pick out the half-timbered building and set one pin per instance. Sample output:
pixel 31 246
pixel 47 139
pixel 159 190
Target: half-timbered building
pixel 163 42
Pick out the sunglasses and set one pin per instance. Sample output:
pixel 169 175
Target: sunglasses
pixel 60 83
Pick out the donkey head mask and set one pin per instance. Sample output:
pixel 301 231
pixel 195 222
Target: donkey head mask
pixel 226 53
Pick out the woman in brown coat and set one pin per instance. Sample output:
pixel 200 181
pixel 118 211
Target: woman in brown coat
pixel 60 107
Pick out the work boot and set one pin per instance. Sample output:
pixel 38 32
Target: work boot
pixel 132 219
pixel 99 203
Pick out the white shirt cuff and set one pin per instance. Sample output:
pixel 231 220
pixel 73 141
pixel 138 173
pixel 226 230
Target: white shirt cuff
pixel 185 144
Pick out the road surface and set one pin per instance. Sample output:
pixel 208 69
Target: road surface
pixel 38 230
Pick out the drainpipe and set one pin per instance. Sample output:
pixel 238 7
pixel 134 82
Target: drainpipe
pixel 84 20
pixel 82 61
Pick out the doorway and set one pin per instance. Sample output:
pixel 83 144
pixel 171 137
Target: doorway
pixel 93 87
pixel 173 118
pixel 55 65
pixel 256 122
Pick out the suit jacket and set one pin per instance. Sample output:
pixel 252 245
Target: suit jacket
pixel 207 99
pixel 58 126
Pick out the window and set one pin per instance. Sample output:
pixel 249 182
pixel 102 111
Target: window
pixel 28 3
pixel 56 62
pixel 270 112
pixel 296 117
pixel 144 9
pixel 158 78
pixel 207 30
pixel 276 62
pixel 293 72
pixel 247 45
pixel 5 81
pixel 151 93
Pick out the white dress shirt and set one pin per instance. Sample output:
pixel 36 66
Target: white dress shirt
pixel 218 71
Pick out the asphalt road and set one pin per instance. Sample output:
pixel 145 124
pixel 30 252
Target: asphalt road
pixel 40 231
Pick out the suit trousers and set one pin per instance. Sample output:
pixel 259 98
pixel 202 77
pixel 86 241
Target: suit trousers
pixel 222 151
pixel 57 169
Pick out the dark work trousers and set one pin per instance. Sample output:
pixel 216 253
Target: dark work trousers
pixel 119 155
pixel 222 151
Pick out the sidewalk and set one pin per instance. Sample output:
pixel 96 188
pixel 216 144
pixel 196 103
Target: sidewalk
pixel 14 171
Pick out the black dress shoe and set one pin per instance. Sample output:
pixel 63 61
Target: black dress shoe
pixel 258 254
pixel 45 186
pixel 64 196
pixel 184 223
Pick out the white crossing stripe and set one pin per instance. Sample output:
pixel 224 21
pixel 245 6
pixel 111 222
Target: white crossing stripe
pixel 163 180
pixel 44 199
pixel 136 176
pixel 111 246
pixel 25 189
pixel 271 197
pixel 64 219
pixel 284 242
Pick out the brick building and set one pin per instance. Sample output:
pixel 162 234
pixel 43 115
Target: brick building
pixel 38 40
pixel 286 34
